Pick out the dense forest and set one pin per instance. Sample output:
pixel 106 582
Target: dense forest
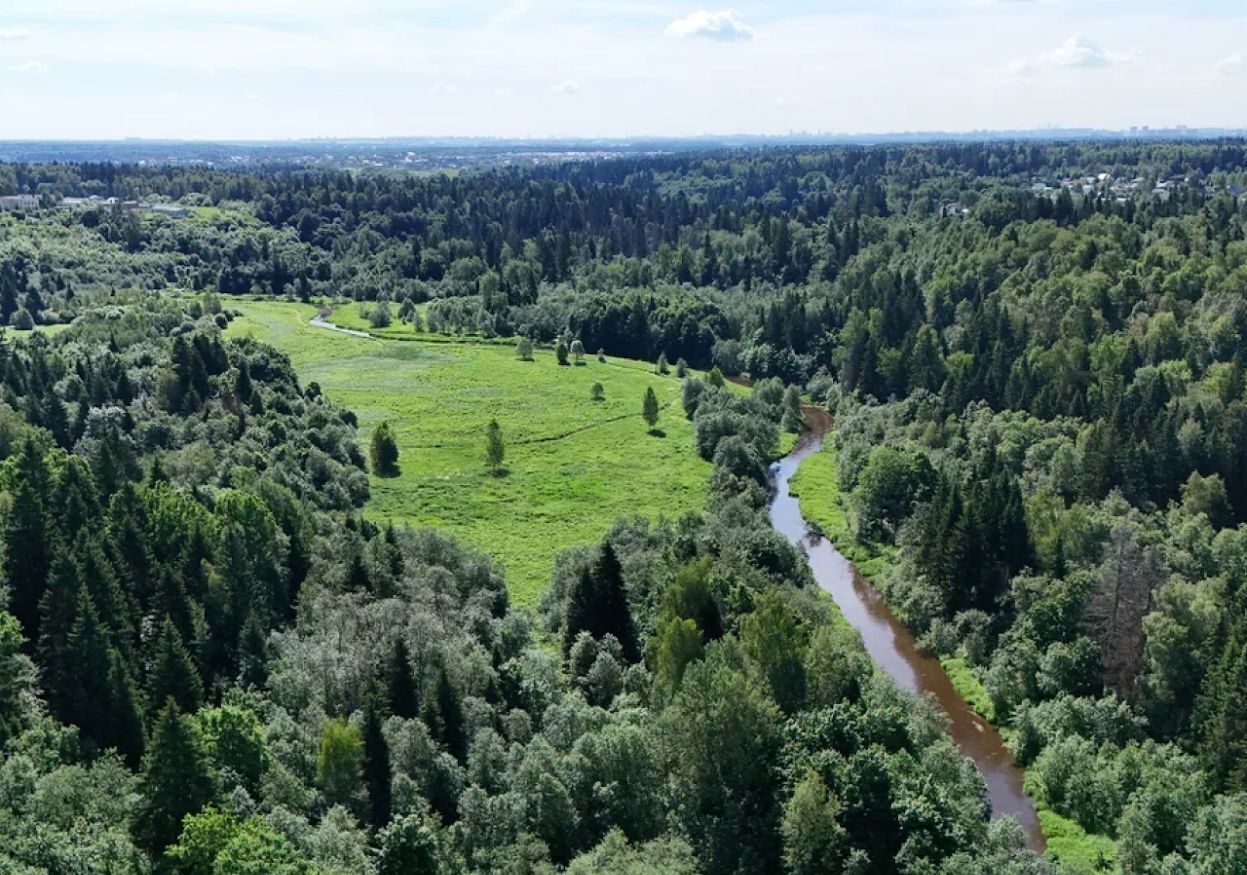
pixel 1034 354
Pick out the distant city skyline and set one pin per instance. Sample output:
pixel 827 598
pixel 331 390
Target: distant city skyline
pixel 283 69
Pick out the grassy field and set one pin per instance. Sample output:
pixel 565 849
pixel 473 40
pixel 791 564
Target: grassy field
pixel 573 464
pixel 1079 852
pixel 819 495
pixel 968 686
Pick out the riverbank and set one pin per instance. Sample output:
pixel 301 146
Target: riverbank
pixel 820 500
pixel 891 646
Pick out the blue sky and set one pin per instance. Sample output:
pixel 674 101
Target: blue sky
pixel 297 68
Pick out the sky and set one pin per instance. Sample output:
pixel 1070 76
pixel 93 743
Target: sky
pixel 275 69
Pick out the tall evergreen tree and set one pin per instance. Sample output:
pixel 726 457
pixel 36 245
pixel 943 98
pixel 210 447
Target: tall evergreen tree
pixel 29 541
pixel 400 686
pixel 173 675
pixel 376 768
pixel 177 780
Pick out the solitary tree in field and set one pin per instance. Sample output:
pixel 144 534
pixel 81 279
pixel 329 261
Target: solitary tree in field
pixel 602 356
pixel 495 449
pixel 681 368
pixel 649 407
pixel 597 392
pixel 384 452
pixel 524 349
pixel 662 367
pixel 578 352
pixel 560 351
pixel 715 377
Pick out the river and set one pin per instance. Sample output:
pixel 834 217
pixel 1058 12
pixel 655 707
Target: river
pixel 892 646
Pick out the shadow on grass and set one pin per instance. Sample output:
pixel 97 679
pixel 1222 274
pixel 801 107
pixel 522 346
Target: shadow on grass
pixel 499 472
pixel 656 432
pixel 389 473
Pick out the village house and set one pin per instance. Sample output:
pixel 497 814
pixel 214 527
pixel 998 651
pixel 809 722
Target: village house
pixel 11 202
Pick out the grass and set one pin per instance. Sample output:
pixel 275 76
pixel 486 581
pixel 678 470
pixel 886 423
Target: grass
pixel 572 465
pixel 1079 852
pixel 352 316
pixel 821 501
pixel 969 687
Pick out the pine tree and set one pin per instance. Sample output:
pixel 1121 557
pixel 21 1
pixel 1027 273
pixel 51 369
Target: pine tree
pixel 177 781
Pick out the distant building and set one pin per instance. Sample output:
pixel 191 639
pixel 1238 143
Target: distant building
pixel 173 211
pixel 11 202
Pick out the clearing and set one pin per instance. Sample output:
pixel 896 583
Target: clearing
pixel 573 465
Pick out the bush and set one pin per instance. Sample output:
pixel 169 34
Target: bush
pixel 380 316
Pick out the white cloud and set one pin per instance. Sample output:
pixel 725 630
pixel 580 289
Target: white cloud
pixel 724 26
pixel 28 67
pixel 1082 51
pixel 1079 51
pixel 441 88
pixel 1022 67
pixel 13 34
pixel 568 87
pixel 1232 65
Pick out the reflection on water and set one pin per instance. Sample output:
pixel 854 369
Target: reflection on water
pixel 893 648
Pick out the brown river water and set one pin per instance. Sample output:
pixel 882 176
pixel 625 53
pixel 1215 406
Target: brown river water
pixel 893 647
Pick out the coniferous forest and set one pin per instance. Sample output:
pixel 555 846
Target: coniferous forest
pixel 214 660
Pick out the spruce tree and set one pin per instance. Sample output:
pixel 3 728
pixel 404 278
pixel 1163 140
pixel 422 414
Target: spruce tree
pixel 28 539
pixel 450 717
pixel 384 452
pixel 400 683
pixel 598 604
pixel 173 675
pixel 495 449
pixel 649 407
pixel 376 768
pixel 177 781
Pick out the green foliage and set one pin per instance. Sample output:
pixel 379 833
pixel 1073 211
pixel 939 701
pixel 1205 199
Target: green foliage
pixel 495 449
pixel 814 841
pixel 338 761
pixel 414 845
pixel 597 392
pixel 176 781
pixel 524 349
pixel 383 452
pixel 649 407
pixel 216 843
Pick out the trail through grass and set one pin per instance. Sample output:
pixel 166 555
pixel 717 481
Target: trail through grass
pixel 573 465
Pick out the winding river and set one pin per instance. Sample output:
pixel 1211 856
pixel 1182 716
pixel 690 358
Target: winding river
pixel 893 648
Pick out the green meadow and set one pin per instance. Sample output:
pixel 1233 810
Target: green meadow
pixel 573 465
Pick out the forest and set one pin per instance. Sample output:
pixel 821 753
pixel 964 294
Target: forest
pixel 215 660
